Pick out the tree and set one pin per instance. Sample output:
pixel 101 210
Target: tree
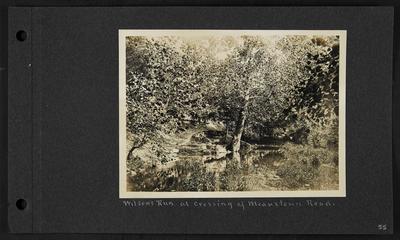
pixel 254 87
pixel 251 83
pixel 315 101
pixel 164 87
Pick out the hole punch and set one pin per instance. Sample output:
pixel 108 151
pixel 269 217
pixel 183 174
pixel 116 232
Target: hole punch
pixel 21 35
pixel 21 204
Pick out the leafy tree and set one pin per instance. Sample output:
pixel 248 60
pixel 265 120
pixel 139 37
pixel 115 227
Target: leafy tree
pixel 314 103
pixel 257 85
pixel 164 87
pixel 254 87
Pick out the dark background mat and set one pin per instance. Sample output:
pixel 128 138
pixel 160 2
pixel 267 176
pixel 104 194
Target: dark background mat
pixel 97 221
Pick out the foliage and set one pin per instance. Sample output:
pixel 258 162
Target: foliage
pixel 262 87
pixel 302 164
pixel 324 134
pixel 163 86
pixel 232 179
pixel 194 177
pixel 253 75
pixel 315 103
pixel 185 176
pixel 171 82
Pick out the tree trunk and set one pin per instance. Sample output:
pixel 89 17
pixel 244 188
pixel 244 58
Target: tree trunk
pixel 226 131
pixel 237 135
pixel 134 146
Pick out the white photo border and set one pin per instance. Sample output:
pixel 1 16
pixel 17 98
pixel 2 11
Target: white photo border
pixel 123 193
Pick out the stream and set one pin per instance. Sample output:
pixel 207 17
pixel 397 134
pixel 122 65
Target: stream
pixel 200 162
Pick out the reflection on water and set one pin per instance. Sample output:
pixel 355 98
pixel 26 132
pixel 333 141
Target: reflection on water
pixel 215 160
pixel 257 166
pixel 210 167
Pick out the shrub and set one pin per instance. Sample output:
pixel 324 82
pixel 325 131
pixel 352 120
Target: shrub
pixel 318 132
pixel 301 164
pixel 184 176
pixel 232 178
pixel 193 176
pixel 324 134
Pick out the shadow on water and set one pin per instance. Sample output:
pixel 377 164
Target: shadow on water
pixel 253 169
pixel 210 167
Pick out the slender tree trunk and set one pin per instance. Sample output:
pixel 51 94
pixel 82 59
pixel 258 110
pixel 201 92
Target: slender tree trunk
pixel 226 131
pixel 134 146
pixel 237 135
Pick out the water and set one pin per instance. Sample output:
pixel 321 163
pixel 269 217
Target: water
pixel 253 170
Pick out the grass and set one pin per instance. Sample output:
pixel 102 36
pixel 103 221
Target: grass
pixel 307 167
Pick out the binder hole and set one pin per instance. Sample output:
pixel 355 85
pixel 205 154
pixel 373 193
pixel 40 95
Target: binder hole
pixel 21 204
pixel 21 35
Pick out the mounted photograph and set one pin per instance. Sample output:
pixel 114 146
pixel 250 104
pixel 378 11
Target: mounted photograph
pixel 232 113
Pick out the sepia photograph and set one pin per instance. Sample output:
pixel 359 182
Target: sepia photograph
pixel 232 113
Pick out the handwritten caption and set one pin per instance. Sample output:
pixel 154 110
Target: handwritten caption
pixel 244 205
